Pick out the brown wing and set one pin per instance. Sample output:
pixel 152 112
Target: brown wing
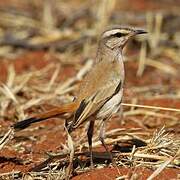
pixel 93 103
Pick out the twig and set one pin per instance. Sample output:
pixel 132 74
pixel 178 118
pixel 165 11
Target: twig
pixel 151 107
pixel 145 156
pixel 142 59
pixel 9 135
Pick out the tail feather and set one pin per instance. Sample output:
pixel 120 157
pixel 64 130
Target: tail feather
pixel 26 123
pixel 41 117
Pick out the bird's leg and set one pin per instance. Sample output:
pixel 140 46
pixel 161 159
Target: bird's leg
pixel 89 135
pixel 102 137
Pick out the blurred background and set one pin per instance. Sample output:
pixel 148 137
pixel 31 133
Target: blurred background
pixel 47 46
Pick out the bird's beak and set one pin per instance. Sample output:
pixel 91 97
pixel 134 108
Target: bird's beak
pixel 140 31
pixel 132 34
pixel 137 32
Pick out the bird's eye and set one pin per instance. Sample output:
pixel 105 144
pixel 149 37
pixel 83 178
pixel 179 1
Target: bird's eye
pixel 119 35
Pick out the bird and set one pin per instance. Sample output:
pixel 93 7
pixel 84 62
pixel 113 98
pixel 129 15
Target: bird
pixel 100 92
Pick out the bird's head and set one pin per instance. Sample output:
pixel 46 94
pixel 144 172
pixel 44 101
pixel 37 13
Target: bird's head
pixel 117 37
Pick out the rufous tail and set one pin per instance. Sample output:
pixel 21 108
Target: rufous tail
pixel 67 108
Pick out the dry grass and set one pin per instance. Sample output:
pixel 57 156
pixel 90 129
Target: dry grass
pixel 21 92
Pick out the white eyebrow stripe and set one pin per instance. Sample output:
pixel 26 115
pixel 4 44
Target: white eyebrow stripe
pixel 114 31
pixel 110 32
